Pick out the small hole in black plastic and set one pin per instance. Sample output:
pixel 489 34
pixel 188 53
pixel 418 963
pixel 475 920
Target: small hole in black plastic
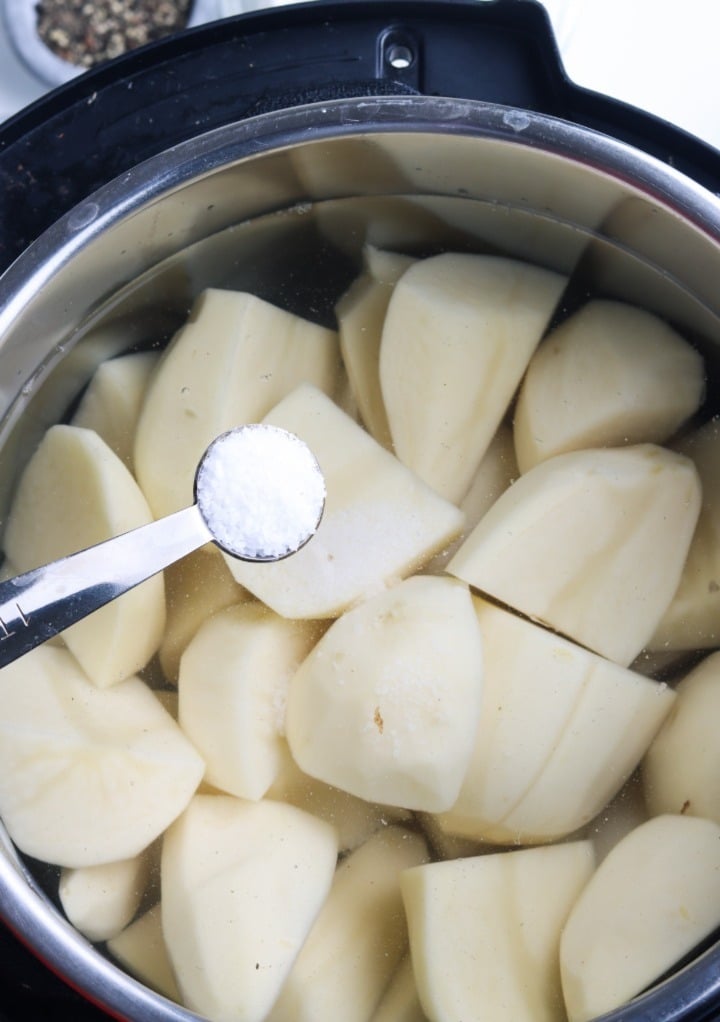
pixel 399 56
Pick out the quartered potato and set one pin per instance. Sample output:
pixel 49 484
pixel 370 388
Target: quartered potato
pixel 560 731
pixel 87 775
pixel 692 621
pixel 196 587
pixel 386 706
pixel 112 402
pixel 681 771
pixel 655 896
pixel 485 931
pixel 141 949
pixel 591 543
pixel 458 335
pixel 74 493
pixel 360 315
pixel 242 884
pixel 610 375
pixel 102 900
pixel 234 678
pixel 359 938
pixel 380 520
pixel 236 357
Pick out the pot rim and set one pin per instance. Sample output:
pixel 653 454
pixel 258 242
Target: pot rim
pixel 206 153
pixel 23 906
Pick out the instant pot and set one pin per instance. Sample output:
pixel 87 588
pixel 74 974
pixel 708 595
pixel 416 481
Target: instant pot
pixel 262 152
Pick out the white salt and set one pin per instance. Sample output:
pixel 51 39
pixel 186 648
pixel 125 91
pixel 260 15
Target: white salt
pixel 260 492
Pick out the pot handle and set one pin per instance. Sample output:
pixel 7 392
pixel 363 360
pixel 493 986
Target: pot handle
pixel 496 51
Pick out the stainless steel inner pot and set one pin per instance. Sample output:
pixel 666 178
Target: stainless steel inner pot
pixel 282 204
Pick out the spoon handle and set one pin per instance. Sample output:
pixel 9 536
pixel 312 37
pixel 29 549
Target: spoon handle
pixel 37 605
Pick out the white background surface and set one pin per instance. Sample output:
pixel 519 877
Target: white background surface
pixel 660 55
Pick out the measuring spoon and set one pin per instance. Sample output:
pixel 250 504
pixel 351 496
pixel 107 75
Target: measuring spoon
pixel 259 495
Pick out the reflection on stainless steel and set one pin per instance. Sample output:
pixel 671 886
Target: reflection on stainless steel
pixel 283 204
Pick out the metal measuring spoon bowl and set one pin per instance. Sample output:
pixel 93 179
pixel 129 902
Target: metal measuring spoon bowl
pixel 273 505
pixel 259 495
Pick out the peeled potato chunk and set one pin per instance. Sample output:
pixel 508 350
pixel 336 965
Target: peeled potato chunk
pixel 692 621
pixel 610 375
pixel 359 937
pixel 360 314
pixel 655 896
pixel 140 948
pixel 485 931
pixel 73 493
pixel 681 771
pixel 234 677
pixel 386 706
pixel 196 587
pixel 591 543
pixel 112 402
pixel 242 884
pixel 100 901
pixel 380 521
pixel 561 729
pixel 458 335
pixel 87 775
pixel 235 358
